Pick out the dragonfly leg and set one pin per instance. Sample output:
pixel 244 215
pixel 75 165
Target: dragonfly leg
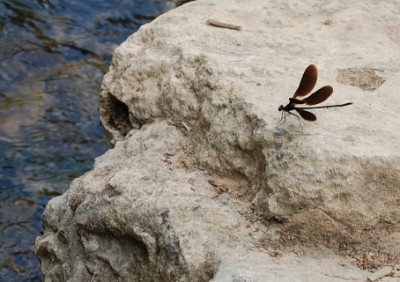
pixel 283 118
pixel 298 118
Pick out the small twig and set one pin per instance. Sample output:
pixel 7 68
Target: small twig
pixel 223 25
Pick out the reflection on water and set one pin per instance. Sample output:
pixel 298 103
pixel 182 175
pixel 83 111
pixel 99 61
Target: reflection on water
pixel 53 55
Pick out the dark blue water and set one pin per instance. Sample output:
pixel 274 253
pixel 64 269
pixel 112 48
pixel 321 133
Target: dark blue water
pixel 53 55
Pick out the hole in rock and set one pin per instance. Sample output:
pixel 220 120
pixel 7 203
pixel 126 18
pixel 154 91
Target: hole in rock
pixel 118 115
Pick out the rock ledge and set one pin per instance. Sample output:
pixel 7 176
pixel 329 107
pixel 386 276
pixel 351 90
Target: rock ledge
pixel 200 184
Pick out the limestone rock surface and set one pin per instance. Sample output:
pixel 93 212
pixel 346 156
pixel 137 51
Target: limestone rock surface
pixel 200 183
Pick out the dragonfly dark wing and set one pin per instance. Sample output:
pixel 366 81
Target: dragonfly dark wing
pixel 318 96
pixel 306 115
pixel 307 82
pixel 295 101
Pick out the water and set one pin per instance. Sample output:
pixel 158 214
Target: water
pixel 53 55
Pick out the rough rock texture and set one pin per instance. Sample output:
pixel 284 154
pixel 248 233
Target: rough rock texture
pixel 201 184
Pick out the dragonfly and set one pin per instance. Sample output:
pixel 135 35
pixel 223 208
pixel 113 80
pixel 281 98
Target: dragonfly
pixel 307 84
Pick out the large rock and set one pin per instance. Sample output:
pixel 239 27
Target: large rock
pixel 202 185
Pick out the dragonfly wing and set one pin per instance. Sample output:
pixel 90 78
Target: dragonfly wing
pixel 307 82
pixel 306 115
pixel 318 96
pixel 295 101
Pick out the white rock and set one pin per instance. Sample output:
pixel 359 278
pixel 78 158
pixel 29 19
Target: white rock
pixel 384 271
pixel 184 102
